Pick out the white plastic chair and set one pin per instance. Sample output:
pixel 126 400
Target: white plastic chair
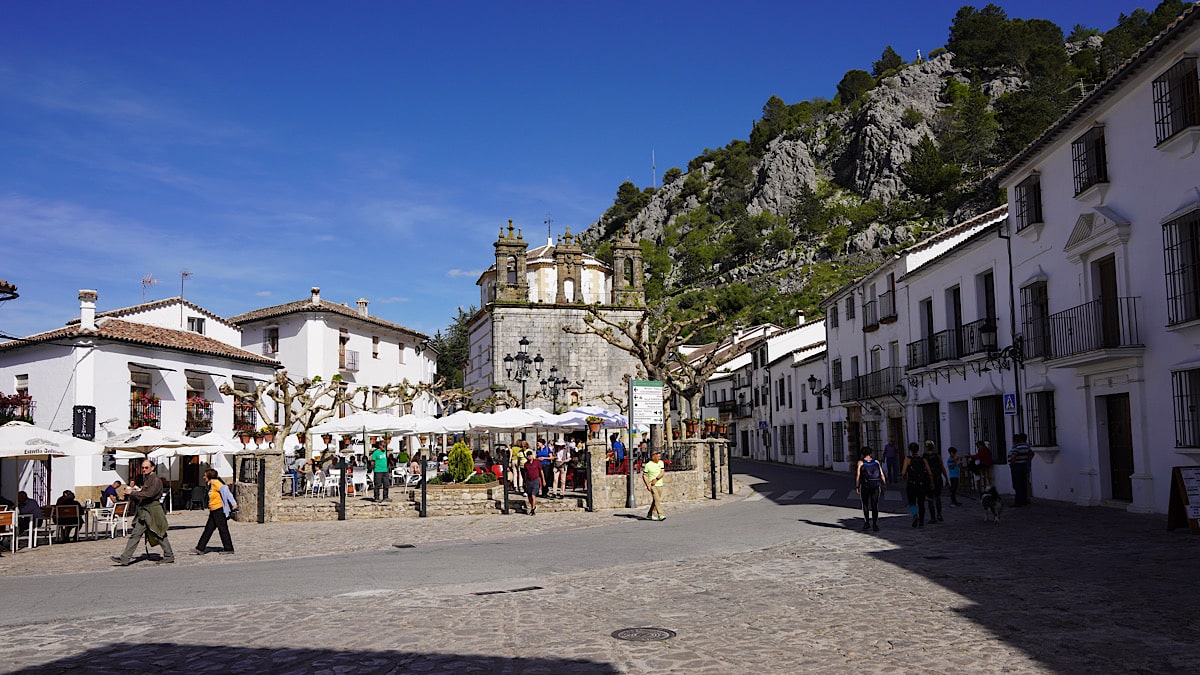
pixel 8 527
pixel 43 528
pixel 331 483
pixel 110 519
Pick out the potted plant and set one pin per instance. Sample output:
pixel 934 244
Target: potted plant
pixel 268 432
pixel 690 425
pixel 593 423
pixel 710 425
pixel 328 438
pixel 723 428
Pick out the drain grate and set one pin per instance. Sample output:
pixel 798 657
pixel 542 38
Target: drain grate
pixel 514 590
pixel 644 634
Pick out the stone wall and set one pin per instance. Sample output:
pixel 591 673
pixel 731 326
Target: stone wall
pixel 462 500
pixel 256 485
pixel 306 509
pixel 609 492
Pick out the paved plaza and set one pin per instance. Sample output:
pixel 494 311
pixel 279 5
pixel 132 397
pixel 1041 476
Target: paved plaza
pixel 777 578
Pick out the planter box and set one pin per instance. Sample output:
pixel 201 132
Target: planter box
pixel 457 499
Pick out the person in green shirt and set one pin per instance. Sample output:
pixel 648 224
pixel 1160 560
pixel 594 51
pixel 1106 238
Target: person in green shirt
pixel 379 466
pixel 652 473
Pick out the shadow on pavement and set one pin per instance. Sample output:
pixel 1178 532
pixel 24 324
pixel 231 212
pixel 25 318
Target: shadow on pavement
pixel 1079 589
pixel 122 658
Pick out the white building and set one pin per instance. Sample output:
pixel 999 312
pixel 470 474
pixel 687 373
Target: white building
pixel 156 364
pixel 316 337
pixel 883 337
pixel 1106 261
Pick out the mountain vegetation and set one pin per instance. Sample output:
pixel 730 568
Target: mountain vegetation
pixel 823 190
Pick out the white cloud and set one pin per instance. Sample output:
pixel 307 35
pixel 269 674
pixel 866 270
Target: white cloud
pixel 392 300
pixel 458 274
pixel 263 294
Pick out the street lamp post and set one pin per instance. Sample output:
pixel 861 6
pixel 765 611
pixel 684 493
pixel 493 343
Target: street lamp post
pixel 517 367
pixel 554 385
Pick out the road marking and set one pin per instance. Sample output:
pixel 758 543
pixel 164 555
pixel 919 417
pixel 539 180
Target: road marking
pixel 823 494
pixel 757 496
pixel 789 496
pixel 854 496
pixel 893 497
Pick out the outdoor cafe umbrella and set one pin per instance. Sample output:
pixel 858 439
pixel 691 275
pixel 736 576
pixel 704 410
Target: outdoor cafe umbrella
pixel 148 439
pixel 21 440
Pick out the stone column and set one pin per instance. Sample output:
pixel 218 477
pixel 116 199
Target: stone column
pixel 258 485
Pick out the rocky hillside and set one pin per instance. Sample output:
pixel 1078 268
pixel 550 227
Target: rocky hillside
pixel 823 190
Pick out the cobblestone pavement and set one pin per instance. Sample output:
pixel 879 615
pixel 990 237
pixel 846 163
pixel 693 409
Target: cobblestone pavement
pixel 1053 589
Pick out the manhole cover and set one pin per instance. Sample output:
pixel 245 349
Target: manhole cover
pixel 644 634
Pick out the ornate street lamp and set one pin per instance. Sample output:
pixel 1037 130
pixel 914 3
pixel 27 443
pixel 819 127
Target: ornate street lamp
pixel 554 385
pixel 517 367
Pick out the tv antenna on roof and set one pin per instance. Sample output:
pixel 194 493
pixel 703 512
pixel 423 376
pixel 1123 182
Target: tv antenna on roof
pixel 147 282
pixel 549 237
pixel 183 276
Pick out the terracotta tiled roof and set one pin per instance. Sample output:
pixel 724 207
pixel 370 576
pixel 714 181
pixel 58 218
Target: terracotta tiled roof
pixel 129 332
pixel 1186 21
pixel 301 306
pixel 146 306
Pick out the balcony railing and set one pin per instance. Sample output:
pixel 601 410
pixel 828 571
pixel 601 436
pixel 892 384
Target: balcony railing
pixel 882 382
pixel 918 353
pixel 972 336
pixel 870 312
pixel 851 389
pixel 887 307
pixel 16 408
pixel 244 416
pixel 745 410
pixel 349 361
pixel 947 345
pixel 199 416
pixel 1099 324
pixel 144 413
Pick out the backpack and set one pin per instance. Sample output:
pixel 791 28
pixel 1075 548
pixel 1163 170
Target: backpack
pixel 871 475
pixel 918 473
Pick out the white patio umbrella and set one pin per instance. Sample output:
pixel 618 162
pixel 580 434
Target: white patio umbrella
pixel 362 422
pixel 513 418
pixel 23 440
pixel 146 439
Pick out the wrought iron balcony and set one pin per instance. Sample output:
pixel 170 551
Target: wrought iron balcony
pixel 887 307
pixel 947 345
pixel 978 337
pixel 348 361
pixel 870 313
pixel 745 410
pixel 244 416
pixel 199 416
pixel 919 353
pixel 145 413
pixel 882 382
pixel 1093 326
pixel 851 389
pixel 17 407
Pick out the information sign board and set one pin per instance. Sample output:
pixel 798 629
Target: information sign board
pixel 645 402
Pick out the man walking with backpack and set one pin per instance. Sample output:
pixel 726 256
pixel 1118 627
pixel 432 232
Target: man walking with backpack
pixel 869 483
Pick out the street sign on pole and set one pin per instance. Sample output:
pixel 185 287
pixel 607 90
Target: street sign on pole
pixel 1010 404
pixel 645 402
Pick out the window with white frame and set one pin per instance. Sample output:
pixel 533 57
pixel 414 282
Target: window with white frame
pixel 1181 249
pixel 850 307
pixel 374 346
pixel 833 316
pixel 1176 99
pixel 1089 159
pixel 839 441
pixel 1185 390
pixel 195 324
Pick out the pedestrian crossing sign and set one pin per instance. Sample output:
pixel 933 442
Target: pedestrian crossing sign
pixel 1010 404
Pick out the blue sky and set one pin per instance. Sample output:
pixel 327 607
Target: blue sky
pixel 374 149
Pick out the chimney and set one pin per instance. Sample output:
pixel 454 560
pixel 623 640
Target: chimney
pixel 362 306
pixel 87 311
pixel 800 319
pixel 316 295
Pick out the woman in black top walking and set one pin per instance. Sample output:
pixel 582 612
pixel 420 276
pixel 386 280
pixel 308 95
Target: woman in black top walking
pixel 918 478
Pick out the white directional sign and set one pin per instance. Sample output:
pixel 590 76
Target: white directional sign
pixel 645 402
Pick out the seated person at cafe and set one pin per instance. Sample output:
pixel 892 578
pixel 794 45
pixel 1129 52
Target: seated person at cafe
pixel 28 507
pixel 111 494
pixel 69 525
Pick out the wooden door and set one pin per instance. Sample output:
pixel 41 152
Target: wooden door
pixel 1120 446
pixel 1110 316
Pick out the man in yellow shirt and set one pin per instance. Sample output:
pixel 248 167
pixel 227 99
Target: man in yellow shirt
pixel 652 474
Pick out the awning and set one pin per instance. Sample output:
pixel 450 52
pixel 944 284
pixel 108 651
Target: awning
pixel 151 367
pixel 202 372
